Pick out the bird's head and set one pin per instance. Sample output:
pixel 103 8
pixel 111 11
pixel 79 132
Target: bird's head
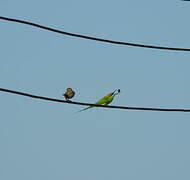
pixel 117 91
pixel 69 89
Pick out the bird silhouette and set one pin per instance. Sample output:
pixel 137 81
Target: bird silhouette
pixel 69 94
pixel 105 100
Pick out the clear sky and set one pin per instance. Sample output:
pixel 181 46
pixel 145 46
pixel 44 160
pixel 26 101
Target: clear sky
pixel 43 140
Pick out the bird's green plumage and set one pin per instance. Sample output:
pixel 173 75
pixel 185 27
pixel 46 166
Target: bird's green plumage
pixel 104 101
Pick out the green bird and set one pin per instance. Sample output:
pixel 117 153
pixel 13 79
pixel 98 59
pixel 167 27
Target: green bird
pixel 105 100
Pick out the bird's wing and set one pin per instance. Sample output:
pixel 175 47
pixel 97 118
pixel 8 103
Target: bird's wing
pixel 103 101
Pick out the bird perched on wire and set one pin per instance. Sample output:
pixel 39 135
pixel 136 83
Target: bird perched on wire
pixel 105 100
pixel 69 94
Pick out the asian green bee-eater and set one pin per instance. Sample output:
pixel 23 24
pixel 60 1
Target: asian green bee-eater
pixel 105 100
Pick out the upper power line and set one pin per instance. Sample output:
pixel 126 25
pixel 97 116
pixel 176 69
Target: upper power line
pixel 95 105
pixel 93 38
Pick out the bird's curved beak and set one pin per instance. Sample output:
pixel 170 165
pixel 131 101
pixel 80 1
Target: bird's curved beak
pixel 114 92
pixel 117 91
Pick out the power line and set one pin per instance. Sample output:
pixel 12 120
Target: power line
pixel 90 104
pixel 93 38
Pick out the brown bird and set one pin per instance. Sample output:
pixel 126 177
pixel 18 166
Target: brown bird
pixel 69 94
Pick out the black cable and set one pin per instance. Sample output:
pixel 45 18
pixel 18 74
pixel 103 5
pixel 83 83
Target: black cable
pixel 93 38
pixel 90 104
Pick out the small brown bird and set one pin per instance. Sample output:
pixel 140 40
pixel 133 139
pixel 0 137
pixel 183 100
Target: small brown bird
pixel 69 94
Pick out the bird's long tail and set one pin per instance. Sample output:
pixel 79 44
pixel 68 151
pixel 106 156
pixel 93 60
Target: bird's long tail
pixel 85 109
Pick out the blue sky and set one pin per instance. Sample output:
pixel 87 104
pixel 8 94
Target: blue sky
pixel 45 140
